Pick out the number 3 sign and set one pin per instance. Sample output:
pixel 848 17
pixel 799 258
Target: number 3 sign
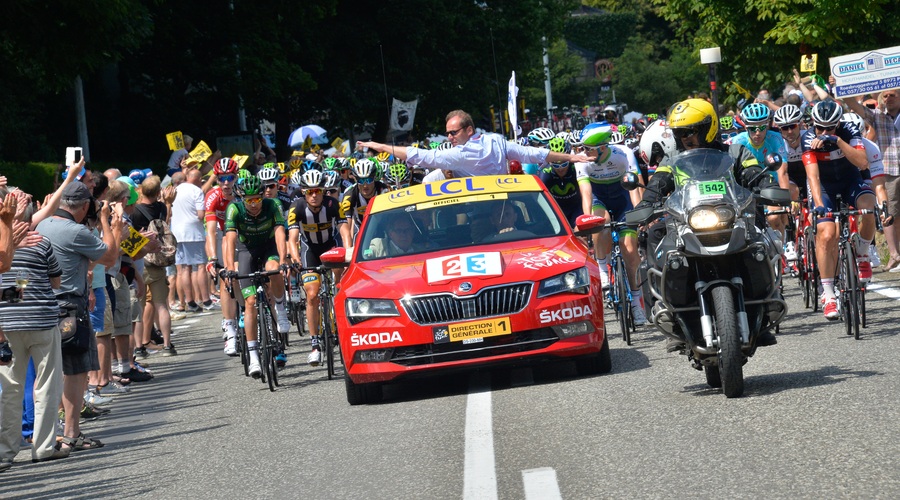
pixel 463 265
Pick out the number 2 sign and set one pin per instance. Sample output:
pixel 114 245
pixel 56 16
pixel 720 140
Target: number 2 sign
pixel 463 266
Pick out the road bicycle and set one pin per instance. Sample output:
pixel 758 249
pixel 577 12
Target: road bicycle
pixel 618 296
pixel 851 291
pixel 240 338
pixel 328 334
pixel 268 337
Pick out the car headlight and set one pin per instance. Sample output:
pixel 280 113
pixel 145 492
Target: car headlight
pixel 362 309
pixel 711 218
pixel 574 281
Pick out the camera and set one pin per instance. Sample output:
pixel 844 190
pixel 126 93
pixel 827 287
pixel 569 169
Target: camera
pixel 6 353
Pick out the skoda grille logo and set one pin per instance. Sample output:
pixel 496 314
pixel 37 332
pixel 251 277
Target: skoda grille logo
pixel 465 286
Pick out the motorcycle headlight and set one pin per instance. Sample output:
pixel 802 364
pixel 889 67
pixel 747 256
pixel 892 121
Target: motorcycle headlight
pixel 711 218
pixel 362 309
pixel 574 281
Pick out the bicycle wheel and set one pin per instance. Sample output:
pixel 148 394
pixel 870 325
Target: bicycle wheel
pixel 241 338
pixel 861 305
pixel 812 268
pixel 802 270
pixel 266 357
pixel 849 295
pixel 327 340
pixel 275 345
pixel 625 304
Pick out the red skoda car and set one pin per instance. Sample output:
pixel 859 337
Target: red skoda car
pixel 464 273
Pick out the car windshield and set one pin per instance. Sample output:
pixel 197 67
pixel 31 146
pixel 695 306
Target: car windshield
pixel 469 220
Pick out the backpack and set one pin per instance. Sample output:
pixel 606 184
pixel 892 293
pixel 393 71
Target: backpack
pixel 166 256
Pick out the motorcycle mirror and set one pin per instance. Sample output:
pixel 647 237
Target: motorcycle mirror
pixel 630 181
pixel 773 161
pixel 586 225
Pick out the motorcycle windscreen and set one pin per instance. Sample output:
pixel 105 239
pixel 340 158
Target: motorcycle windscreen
pixel 705 177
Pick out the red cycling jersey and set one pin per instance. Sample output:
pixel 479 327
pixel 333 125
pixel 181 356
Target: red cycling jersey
pixel 215 207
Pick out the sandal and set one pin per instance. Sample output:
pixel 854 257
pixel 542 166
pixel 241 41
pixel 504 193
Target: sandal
pixel 121 380
pixel 82 442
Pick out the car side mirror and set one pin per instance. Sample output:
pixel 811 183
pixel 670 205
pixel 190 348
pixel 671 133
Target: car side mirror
pixel 336 258
pixel 586 225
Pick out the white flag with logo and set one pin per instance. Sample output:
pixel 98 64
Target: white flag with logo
pixel 511 106
pixel 403 114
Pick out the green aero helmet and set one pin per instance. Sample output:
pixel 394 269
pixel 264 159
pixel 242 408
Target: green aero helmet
pixel 244 174
pixel 596 134
pixel 726 123
pixel 330 163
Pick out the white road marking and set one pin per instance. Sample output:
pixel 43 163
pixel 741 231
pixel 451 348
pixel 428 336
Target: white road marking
pixel 541 484
pixel 887 291
pixel 190 321
pixel 480 479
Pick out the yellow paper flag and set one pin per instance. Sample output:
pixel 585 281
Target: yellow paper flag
pixel 240 160
pixel 297 153
pixel 742 90
pixel 175 140
pixel 307 144
pixel 133 243
pixel 808 63
pixel 281 166
pixel 315 148
pixel 201 153
pixel 336 144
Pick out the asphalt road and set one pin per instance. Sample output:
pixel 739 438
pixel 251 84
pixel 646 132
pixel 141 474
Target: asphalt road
pixel 819 419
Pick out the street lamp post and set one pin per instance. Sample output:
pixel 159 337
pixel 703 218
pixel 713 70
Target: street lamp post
pixel 711 57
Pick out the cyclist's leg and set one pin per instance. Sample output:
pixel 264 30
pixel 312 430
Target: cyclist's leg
pixel 248 263
pixel 864 199
pixel 228 304
pixel 826 249
pixel 276 292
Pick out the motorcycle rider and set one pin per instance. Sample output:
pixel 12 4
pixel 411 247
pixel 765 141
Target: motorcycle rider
pixel 695 125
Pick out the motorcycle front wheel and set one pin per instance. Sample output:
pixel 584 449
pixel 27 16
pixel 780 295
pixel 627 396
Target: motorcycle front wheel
pixel 730 358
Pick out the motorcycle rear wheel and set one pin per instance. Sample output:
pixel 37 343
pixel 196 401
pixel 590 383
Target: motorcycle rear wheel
pixel 730 357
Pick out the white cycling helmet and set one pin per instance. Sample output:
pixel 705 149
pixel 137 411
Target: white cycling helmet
pixel 575 138
pixel 657 142
pixel 364 169
pixel 788 115
pixel 541 134
pixel 563 135
pixel 268 174
pixel 332 179
pixel 312 179
pixel 856 120
pixel 296 179
pixel 616 138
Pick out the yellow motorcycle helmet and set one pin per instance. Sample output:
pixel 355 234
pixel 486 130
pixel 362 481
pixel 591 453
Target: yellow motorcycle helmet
pixel 698 114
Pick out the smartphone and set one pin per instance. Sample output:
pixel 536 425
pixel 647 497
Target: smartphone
pixel 73 156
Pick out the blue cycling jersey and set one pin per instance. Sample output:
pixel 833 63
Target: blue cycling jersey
pixel 772 144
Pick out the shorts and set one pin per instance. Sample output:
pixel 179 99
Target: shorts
pixel 157 284
pixel 613 198
pixel 190 253
pixel 120 315
pixel 251 260
pixel 171 271
pixel 75 364
pixel 892 186
pixel 571 212
pixel 310 252
pixel 797 177
pixel 849 193
pixel 98 313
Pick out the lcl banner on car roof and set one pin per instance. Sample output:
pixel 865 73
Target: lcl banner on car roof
pixel 436 192
pixel 866 72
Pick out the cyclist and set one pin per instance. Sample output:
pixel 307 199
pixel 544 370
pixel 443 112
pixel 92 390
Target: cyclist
pixel 217 200
pixel 355 199
pixel 313 222
pixel 396 176
pixel 562 183
pixel 255 241
pixel 538 138
pixel 761 141
pixel 789 120
pixel 268 176
pixel 657 142
pixel 694 125
pixel 601 194
pixel 833 154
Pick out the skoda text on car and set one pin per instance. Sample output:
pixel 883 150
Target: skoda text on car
pixel 462 273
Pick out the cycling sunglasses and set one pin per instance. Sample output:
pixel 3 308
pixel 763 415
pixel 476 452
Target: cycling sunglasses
pixel 757 128
pixel 271 186
pixel 559 166
pixel 729 135
pixel 255 200
pixel 826 129
pixel 312 191
pixel 331 192
pixel 226 178
pixel 365 180
pixel 785 128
